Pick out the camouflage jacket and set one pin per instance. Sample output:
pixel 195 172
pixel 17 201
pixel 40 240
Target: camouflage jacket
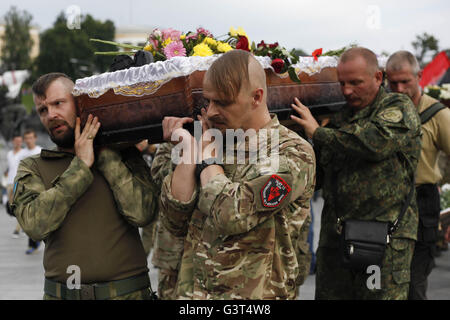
pixel 40 211
pixel 168 248
pixel 368 159
pixel 242 229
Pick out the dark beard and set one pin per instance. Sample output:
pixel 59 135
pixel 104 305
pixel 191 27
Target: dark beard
pixel 67 141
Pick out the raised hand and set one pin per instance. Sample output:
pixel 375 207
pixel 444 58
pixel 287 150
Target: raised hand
pixel 84 141
pixel 174 133
pixel 207 138
pixel 307 120
pixel 173 130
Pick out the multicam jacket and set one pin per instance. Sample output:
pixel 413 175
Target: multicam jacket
pixel 243 228
pixel 368 160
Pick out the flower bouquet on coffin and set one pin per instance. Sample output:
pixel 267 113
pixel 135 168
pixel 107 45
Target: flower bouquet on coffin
pixel 132 101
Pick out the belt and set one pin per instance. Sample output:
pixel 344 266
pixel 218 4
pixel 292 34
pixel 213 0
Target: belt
pixel 97 291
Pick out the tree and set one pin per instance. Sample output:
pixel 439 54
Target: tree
pixel 299 53
pixel 17 42
pixel 423 45
pixel 70 51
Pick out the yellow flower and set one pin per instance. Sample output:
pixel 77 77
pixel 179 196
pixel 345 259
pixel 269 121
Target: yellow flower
pixel 224 47
pixel 166 42
pixel 210 41
pixel 232 32
pixel 241 32
pixel 202 50
pixel 182 37
pixel 148 47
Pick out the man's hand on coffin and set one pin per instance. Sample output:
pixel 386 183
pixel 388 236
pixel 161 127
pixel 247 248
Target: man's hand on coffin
pixel 307 121
pixel 173 130
pixel 207 143
pixel 84 141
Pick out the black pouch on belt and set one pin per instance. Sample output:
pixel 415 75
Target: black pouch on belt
pixel 364 243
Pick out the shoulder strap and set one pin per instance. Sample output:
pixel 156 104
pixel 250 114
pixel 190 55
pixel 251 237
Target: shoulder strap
pixel 430 112
pixel 394 225
pixel 406 204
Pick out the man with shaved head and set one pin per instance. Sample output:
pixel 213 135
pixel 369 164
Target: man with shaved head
pixel 404 74
pixel 245 223
pixel 367 156
pixel 85 203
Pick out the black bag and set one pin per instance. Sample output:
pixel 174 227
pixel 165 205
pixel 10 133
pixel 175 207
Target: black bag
pixel 364 243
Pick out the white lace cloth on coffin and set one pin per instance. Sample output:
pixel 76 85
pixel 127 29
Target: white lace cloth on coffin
pixel 139 81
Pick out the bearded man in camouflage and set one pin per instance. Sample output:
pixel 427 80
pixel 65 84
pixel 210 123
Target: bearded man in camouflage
pixel 86 204
pixel 367 156
pixel 242 221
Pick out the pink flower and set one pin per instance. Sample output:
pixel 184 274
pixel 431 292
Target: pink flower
pixel 175 49
pixel 205 32
pixel 171 33
pixel 154 43
pixel 156 33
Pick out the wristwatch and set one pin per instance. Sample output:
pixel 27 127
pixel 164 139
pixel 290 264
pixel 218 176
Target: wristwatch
pixel 205 163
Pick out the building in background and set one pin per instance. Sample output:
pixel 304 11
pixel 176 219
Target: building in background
pixel 134 35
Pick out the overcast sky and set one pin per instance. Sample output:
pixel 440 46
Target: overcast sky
pixel 381 25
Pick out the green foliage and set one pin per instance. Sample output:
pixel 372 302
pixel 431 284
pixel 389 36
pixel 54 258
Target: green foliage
pixel 424 44
pixel 299 53
pixel 445 199
pixel 17 42
pixel 27 101
pixel 70 51
pixel 97 29
pixel 339 52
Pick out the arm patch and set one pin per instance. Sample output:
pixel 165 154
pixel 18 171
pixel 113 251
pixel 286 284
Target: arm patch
pixel 393 115
pixel 274 191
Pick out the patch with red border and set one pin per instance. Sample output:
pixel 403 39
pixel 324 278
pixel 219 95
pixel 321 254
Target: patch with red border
pixel 274 191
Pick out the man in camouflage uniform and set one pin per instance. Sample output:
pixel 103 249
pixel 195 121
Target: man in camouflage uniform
pixel 241 221
pixel 367 154
pixel 167 248
pixel 85 204
pixel 404 74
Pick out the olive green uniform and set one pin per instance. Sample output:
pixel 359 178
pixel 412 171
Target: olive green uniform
pixel 87 217
pixel 368 159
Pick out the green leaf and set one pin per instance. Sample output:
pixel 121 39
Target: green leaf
pixel 114 53
pixel 120 45
pixel 293 75
pixel 253 46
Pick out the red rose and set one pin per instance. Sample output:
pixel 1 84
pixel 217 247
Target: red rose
pixel 273 45
pixel 262 44
pixel 277 65
pixel 242 43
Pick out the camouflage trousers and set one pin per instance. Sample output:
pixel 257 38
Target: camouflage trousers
pixel 334 282
pixel 167 281
pixel 144 294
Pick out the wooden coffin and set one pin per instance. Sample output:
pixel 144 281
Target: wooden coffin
pixel 134 118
